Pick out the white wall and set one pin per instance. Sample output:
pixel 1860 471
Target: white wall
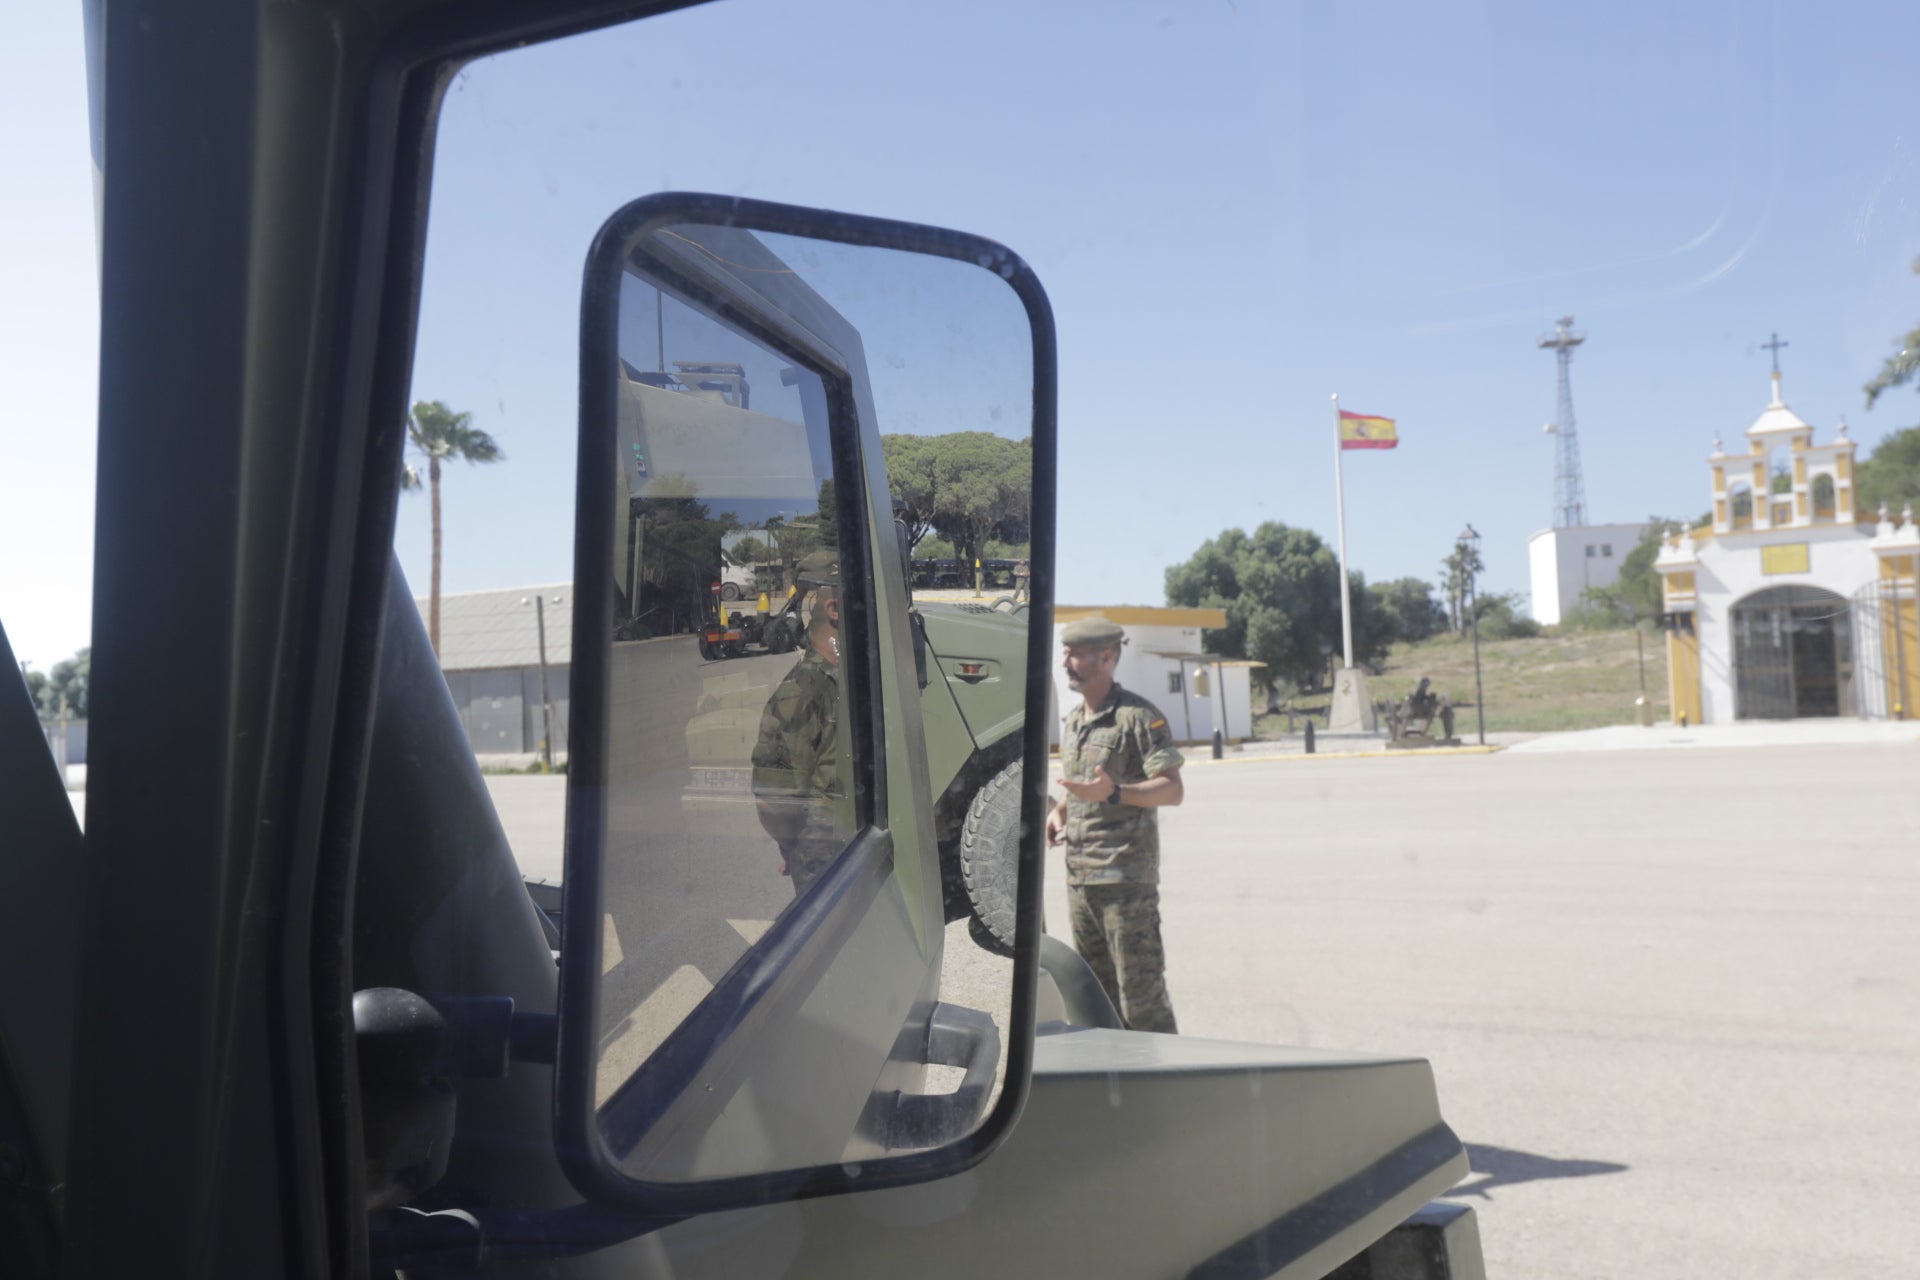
pixel 1839 559
pixel 1143 671
pixel 1228 704
pixel 1560 569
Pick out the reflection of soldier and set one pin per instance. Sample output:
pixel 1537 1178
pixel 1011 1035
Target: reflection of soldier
pixel 1120 764
pixel 799 782
pixel 1023 581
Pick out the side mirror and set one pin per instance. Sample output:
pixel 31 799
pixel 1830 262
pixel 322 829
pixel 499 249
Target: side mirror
pixel 765 990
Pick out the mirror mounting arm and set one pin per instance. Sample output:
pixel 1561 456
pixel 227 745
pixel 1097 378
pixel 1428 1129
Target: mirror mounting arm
pixel 465 1242
pixel 411 1049
pixel 955 1037
pixel 476 1037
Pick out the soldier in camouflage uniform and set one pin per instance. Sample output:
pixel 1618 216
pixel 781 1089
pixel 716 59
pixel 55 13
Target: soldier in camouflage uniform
pixel 799 768
pixel 1120 764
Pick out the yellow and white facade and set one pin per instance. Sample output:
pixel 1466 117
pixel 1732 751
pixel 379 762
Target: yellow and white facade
pixel 1791 603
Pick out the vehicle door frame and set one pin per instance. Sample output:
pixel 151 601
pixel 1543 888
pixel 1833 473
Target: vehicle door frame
pixel 268 166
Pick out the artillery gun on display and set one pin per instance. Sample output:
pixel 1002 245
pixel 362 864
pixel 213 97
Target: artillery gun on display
pixel 1410 721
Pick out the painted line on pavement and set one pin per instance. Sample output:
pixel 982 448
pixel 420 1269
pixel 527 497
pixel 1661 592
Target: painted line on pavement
pixel 1382 754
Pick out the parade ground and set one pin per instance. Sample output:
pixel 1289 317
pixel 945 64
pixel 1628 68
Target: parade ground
pixel 1671 995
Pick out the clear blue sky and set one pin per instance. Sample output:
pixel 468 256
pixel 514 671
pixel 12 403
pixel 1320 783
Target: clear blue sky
pixel 1237 208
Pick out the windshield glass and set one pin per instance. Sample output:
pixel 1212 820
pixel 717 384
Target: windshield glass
pixel 1623 963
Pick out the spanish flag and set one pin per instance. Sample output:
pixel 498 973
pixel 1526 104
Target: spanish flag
pixel 1361 431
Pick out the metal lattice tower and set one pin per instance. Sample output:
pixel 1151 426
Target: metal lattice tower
pixel 1569 486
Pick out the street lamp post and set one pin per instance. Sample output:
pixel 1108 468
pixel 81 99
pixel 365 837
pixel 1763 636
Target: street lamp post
pixel 546 700
pixel 1470 541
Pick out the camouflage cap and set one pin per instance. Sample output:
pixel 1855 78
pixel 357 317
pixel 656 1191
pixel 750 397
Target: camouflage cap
pixel 819 569
pixel 1097 632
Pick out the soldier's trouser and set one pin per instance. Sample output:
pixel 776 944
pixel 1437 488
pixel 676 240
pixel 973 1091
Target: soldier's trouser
pixel 822 839
pixel 806 859
pixel 1116 930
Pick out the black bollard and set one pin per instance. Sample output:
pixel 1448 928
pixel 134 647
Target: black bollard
pixel 1219 744
pixel 1309 737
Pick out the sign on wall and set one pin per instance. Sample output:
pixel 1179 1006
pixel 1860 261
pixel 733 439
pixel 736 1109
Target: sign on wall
pixel 1790 557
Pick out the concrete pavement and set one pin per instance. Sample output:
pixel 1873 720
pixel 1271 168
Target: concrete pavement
pixel 1672 997
pixel 1742 733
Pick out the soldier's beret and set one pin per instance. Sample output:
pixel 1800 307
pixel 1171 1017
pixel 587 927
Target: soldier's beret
pixel 820 568
pixel 1092 631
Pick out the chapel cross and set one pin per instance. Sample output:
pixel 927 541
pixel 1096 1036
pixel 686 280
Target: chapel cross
pixel 1774 347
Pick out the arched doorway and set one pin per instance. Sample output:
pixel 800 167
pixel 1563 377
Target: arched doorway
pixel 1792 655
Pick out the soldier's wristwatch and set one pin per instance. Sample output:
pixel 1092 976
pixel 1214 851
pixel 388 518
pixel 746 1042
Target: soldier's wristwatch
pixel 1115 797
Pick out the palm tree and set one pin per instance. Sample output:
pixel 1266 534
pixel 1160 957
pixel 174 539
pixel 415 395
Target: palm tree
pixel 434 432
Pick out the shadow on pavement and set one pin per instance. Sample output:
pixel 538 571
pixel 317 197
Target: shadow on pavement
pixel 1501 1166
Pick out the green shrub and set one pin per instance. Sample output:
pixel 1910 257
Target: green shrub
pixel 1498 621
pixel 1592 615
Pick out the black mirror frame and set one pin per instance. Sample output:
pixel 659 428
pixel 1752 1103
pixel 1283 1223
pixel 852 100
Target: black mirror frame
pixel 581 1147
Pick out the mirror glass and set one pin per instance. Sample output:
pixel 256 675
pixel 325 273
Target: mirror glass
pixel 812 742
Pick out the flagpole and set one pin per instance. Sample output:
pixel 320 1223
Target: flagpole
pixel 1340 510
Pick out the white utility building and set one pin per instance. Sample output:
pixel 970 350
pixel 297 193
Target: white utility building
pixel 490 652
pixel 1563 564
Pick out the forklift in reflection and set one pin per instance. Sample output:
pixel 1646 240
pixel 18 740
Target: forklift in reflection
pixel 731 631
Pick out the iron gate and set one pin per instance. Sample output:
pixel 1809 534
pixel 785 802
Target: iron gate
pixel 1792 655
pixel 1877 610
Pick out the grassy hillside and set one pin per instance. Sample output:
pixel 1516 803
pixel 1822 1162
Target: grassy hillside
pixel 1578 681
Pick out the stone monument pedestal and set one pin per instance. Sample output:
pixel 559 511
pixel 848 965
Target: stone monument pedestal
pixel 1352 708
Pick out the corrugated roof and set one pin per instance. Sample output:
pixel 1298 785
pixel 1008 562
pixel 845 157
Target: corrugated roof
pixel 1205 659
pixel 481 630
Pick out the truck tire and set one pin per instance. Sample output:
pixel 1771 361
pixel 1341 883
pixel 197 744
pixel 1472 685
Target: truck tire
pixel 729 591
pixel 990 854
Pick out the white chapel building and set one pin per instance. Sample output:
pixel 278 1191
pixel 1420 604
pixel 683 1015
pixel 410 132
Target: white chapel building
pixel 1791 603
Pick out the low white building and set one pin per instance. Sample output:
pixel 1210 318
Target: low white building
pixel 1163 663
pixel 490 643
pixel 1563 564
pixel 1791 604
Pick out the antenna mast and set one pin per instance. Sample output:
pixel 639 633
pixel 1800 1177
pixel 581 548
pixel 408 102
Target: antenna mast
pixel 1569 487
